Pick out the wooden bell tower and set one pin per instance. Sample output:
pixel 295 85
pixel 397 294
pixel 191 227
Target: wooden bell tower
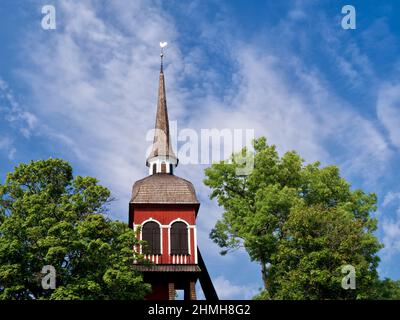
pixel 165 207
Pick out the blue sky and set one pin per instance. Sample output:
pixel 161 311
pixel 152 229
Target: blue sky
pixel 86 92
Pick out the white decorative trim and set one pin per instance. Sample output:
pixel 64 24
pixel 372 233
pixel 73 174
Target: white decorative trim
pixel 169 240
pixel 158 160
pixel 161 233
pixel 180 259
pixel 178 220
pixel 195 245
pixel 188 226
pixel 188 231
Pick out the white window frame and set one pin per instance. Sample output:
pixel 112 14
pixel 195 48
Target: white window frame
pixel 161 233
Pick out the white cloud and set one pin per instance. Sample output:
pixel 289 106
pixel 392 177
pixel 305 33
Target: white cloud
pixel 391 224
pixel 388 110
pixel 390 197
pixel 391 237
pixel 100 85
pixel 6 144
pixel 11 153
pixel 100 92
pixel 14 113
pixel 309 118
pixel 228 291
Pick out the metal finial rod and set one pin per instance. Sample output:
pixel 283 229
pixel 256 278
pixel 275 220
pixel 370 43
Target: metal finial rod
pixel 162 46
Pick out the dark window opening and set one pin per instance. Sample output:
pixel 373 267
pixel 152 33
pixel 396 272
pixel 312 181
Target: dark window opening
pixel 171 170
pixel 179 238
pixel 154 168
pixel 163 167
pixel 151 234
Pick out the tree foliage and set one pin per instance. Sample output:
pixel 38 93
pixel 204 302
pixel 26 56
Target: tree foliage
pixel 388 289
pixel 300 222
pixel 48 217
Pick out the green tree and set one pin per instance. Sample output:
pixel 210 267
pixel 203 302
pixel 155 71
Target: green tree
pixel 48 217
pixel 317 242
pixel 300 222
pixel 388 289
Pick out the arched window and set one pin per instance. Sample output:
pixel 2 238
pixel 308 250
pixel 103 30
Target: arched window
pixel 151 234
pixel 163 167
pixel 179 238
pixel 154 168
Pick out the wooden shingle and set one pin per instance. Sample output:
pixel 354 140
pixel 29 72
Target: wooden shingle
pixel 163 188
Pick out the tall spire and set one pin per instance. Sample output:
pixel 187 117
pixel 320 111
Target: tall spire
pixel 162 155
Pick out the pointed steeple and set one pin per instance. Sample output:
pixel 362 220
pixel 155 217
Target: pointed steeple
pixel 162 155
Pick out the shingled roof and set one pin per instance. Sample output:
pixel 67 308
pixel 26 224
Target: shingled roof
pixel 163 188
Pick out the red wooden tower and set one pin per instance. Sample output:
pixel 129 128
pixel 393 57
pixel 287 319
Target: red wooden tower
pixel 166 207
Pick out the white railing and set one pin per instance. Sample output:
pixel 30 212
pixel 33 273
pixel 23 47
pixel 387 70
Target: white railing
pixel 173 258
pixel 180 259
pixel 155 258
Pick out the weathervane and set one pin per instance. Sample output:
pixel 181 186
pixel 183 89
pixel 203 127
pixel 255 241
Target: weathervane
pixel 162 46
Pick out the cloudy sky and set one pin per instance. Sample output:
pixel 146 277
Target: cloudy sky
pixel 87 91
